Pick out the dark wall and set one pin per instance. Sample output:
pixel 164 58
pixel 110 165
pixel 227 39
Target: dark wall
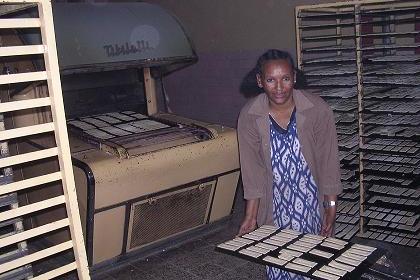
pixel 228 35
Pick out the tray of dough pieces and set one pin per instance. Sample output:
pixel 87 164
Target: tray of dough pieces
pixel 399 146
pixel 389 119
pixel 349 57
pixel 396 107
pixel 381 179
pixel 392 236
pixel 332 81
pixel 407 93
pixel 393 80
pixel 332 70
pixel 310 255
pixel 396 58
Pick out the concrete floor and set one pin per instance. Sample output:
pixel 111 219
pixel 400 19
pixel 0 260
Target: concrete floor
pixel 192 261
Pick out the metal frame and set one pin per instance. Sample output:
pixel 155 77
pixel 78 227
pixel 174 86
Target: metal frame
pixel 359 109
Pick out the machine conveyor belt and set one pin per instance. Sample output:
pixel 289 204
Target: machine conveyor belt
pixel 129 133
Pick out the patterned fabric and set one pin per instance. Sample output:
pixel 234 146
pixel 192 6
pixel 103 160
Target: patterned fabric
pixel 295 194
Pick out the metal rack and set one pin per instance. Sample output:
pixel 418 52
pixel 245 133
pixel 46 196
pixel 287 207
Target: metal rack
pixel 363 57
pixel 326 54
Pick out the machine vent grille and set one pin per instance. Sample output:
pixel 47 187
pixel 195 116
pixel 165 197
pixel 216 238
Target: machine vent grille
pixel 161 217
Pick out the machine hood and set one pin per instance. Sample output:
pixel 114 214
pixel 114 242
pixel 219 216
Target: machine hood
pixel 109 36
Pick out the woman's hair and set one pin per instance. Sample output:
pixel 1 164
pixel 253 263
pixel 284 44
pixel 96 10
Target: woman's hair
pixel 249 85
pixel 274 54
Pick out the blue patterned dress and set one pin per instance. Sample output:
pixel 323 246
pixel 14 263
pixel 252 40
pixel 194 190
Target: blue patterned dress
pixel 295 194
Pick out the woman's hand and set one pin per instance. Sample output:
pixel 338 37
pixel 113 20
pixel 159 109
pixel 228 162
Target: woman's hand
pixel 328 221
pixel 248 225
pixel 250 221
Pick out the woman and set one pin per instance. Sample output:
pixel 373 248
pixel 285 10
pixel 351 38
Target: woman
pixel 289 155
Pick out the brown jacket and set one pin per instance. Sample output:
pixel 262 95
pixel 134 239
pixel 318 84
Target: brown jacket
pixel 318 139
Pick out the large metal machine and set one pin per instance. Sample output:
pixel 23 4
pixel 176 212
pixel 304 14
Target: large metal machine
pixel 142 175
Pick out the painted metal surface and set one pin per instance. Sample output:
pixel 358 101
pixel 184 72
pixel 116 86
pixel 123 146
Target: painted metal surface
pixel 108 185
pixel 118 180
pixel 121 182
pixel 100 34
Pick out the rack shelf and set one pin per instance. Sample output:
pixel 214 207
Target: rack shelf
pixel 363 58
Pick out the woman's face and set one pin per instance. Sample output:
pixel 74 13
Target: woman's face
pixel 277 79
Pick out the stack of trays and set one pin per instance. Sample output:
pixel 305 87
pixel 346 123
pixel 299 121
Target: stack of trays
pixel 347 219
pixel 328 60
pixel 390 136
pixel 391 179
pixel 310 255
pixel 373 74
